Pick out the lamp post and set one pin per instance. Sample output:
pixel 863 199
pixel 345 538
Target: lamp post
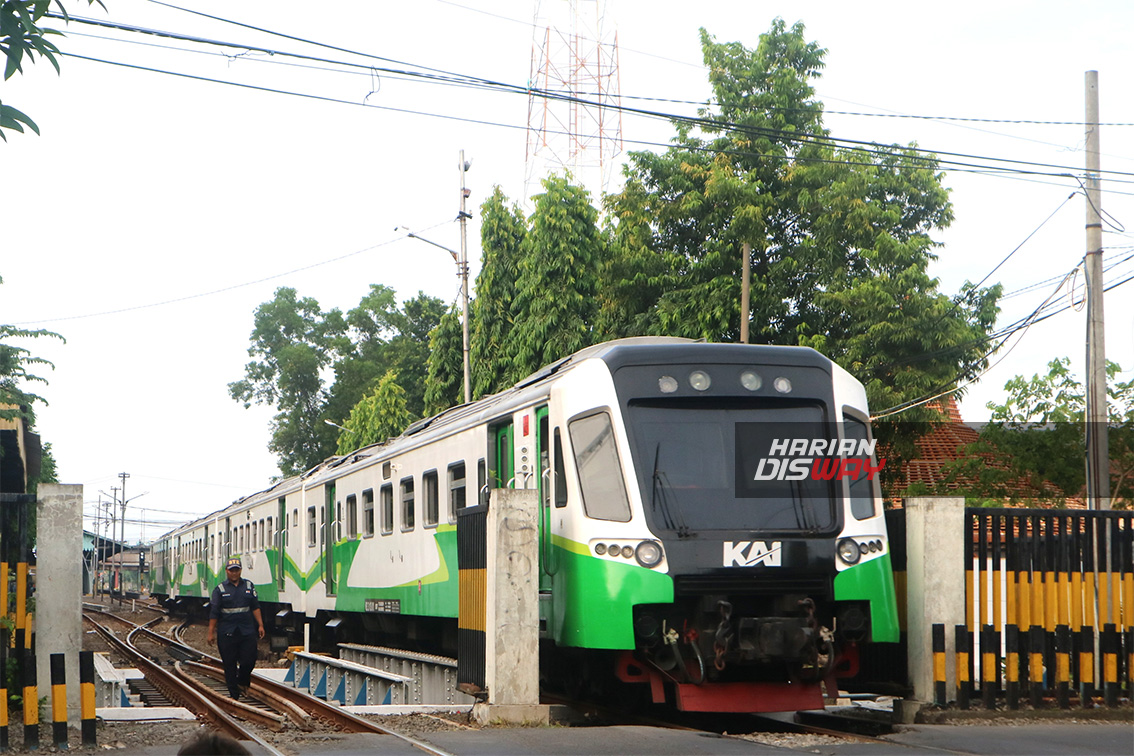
pixel 463 274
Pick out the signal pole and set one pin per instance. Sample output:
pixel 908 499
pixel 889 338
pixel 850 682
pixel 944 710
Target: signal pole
pixel 1098 463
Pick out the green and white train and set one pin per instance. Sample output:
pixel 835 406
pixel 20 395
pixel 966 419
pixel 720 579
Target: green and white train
pixel 711 525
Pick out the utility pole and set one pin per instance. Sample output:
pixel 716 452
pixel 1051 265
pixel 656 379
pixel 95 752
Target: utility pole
pixel 463 266
pixel 121 554
pixel 745 284
pixel 1098 463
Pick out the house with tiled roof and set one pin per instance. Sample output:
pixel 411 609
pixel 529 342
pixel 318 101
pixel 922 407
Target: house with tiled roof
pixel 949 458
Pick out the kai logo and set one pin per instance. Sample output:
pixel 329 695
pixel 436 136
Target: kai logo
pixel 752 553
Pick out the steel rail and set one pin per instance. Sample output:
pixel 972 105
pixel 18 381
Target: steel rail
pixel 176 689
pixel 321 709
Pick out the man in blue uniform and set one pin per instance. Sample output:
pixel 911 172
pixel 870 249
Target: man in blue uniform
pixel 235 625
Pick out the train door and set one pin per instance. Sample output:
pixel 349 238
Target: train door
pixel 279 541
pixel 329 539
pixel 203 565
pixel 542 464
pixel 504 460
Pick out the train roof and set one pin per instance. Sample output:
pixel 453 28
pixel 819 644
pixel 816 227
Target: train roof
pixel 634 350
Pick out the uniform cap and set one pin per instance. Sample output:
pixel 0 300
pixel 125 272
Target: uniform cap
pixel 233 564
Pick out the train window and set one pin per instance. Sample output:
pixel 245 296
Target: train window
pixel 322 525
pixel 407 504
pixel 560 478
pixel 429 491
pixel 600 470
pixel 368 512
pixel 481 482
pixel 387 494
pixel 252 541
pixel 311 526
pixel 861 488
pixel 271 535
pixel 456 489
pixel 352 515
pixel 263 536
pixel 295 517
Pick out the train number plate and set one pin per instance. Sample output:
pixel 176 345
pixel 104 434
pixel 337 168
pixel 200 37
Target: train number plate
pixel 385 606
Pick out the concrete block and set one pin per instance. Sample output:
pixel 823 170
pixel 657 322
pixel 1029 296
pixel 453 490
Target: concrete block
pixel 58 622
pixel 935 584
pixel 905 710
pixel 525 714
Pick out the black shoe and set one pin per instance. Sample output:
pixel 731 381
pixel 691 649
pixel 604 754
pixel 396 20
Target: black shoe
pixel 235 696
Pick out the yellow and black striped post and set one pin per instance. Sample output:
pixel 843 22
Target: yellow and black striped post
pixel 964 659
pixel 1035 664
pixel 1087 666
pixel 1108 645
pixel 4 641
pixel 940 684
pixel 87 698
pixel 59 701
pixel 989 667
pixel 31 698
pixel 1063 666
pixel 1012 666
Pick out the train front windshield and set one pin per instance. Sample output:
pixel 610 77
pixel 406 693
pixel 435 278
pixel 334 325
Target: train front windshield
pixel 724 465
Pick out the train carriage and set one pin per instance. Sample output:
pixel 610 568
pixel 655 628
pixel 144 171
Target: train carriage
pixel 710 524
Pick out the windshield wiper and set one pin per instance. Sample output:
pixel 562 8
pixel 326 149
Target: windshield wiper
pixel 668 514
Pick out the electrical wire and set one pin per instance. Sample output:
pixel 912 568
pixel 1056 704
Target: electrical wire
pixel 933 157
pixel 226 288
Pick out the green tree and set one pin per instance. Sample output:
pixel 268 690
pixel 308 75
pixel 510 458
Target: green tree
pixel 556 302
pixel 16 366
pixel 502 233
pixel 381 337
pixel 293 342
pixel 444 383
pixel 22 38
pixel 840 238
pixel 381 414
pixel 1040 429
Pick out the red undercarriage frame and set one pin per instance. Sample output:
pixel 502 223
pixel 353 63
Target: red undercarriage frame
pixel 737 697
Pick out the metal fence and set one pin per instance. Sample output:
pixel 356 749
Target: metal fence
pixel 1049 607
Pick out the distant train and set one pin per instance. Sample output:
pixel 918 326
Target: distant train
pixel 711 525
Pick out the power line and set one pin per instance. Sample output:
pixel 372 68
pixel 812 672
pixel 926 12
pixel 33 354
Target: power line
pixel 710 124
pixel 221 290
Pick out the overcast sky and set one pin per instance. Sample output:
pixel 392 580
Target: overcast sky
pixel 155 212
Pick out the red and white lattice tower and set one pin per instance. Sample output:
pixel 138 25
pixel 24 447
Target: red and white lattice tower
pixel 574 119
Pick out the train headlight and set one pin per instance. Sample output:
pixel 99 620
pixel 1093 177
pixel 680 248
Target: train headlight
pixel 848 551
pixel 600 548
pixel 783 385
pixel 700 380
pixel 648 553
pixel 667 384
pixel 751 381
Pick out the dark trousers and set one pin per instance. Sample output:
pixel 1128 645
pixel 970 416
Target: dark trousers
pixel 238 652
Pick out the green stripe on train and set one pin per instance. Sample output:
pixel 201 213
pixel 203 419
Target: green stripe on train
pixel 872 581
pixel 593 599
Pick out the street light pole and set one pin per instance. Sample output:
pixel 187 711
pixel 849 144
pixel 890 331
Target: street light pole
pixel 463 264
pixel 463 274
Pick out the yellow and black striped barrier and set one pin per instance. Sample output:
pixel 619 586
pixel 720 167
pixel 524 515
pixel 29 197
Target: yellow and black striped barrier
pixel 4 641
pixel 940 682
pixel 1044 590
pixel 963 641
pixel 31 694
pixel 1012 666
pixel 59 700
pixel 87 698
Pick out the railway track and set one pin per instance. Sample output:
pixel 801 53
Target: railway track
pixel 194 679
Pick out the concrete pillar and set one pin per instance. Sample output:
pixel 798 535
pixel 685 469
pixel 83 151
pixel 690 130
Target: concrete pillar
pixel 512 646
pixel 59 587
pixel 935 584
